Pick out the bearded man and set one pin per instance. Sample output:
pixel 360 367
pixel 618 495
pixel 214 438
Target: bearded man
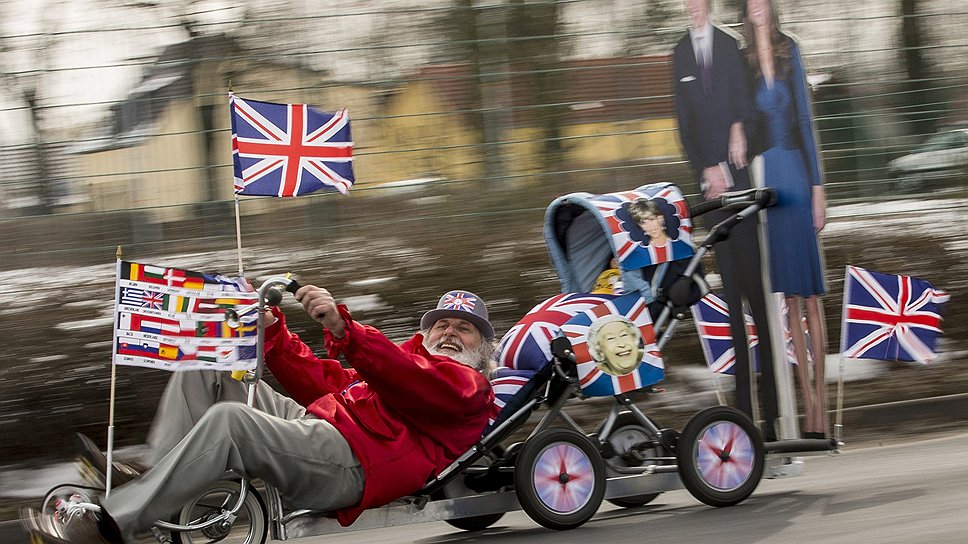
pixel 346 440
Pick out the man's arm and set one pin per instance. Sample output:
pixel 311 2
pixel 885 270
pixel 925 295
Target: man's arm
pixel 304 376
pixel 432 392
pixel 426 389
pixel 685 112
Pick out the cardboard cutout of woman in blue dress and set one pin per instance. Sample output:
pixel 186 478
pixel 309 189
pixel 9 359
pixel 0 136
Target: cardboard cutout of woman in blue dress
pixel 785 129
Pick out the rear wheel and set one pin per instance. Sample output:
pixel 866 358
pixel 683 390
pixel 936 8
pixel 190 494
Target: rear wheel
pixel 248 528
pixel 631 444
pixel 458 488
pixel 720 456
pixel 559 478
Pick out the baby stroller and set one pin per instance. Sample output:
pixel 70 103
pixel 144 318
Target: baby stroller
pixel 562 350
pixel 561 472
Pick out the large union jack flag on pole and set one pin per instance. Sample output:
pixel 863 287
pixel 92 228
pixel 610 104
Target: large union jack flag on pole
pixel 890 317
pixel 289 149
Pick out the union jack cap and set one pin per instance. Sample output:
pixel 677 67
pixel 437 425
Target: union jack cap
pixel 461 305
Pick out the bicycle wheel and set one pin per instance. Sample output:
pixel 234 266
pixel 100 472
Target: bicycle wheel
pixel 248 528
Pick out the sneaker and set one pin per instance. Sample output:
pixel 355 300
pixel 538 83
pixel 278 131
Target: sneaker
pixel 94 465
pixel 69 524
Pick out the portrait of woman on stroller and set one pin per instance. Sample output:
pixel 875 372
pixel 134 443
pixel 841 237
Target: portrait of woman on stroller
pixel 615 345
pixel 648 216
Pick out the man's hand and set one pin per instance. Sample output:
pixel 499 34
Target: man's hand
pixel 715 181
pixel 737 145
pixel 321 306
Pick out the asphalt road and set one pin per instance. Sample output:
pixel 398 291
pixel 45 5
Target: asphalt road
pixel 904 492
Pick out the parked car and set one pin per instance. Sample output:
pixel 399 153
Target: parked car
pixel 944 156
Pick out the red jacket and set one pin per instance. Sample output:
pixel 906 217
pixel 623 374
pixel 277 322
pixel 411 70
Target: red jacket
pixel 406 414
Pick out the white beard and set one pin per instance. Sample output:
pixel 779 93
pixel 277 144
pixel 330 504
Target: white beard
pixel 473 358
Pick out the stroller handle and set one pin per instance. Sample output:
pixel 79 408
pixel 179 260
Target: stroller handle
pixel 763 196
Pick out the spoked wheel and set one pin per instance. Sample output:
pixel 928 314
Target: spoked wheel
pixel 627 439
pixel 720 456
pixel 559 478
pixel 248 528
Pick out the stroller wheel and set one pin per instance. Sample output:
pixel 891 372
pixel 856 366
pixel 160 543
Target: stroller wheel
pixel 560 478
pixel 720 456
pixel 626 440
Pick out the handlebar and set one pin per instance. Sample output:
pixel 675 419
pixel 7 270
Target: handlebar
pixel 762 196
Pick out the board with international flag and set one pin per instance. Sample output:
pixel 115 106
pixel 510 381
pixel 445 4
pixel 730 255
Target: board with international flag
pixel 175 319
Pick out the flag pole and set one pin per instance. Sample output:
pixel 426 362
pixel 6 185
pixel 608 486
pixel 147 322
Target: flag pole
pixel 839 421
pixel 719 390
pixel 238 221
pixel 114 373
pixel 238 233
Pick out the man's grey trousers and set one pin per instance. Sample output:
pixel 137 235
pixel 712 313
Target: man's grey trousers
pixel 203 429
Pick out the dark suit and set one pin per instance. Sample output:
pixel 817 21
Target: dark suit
pixel 705 114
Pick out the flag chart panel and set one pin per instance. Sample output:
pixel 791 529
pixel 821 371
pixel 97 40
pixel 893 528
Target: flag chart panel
pixel 175 319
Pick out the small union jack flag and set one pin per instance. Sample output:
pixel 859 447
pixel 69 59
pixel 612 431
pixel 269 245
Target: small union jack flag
pixel 142 298
pixel 632 246
pixel 289 149
pixel 890 317
pixel 527 345
pixel 711 315
pixel 459 300
pixel 592 379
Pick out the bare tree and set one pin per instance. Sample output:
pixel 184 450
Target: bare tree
pixel 27 86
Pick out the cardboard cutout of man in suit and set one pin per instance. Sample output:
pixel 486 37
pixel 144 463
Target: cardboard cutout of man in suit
pixel 712 106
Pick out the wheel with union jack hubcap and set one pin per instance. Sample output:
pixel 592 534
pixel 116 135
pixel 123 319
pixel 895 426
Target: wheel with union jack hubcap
pixel 720 456
pixel 559 478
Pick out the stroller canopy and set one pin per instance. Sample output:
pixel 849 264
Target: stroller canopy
pixel 585 232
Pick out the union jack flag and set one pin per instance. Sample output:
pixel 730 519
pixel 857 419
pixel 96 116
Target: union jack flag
pixel 594 381
pixel 506 386
pixel 890 317
pixel 459 300
pixel 527 345
pixel 711 315
pixel 631 245
pixel 289 149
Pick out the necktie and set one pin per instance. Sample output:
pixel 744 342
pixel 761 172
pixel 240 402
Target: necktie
pixel 704 70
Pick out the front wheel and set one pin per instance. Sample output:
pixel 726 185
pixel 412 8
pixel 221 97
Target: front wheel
pixel 559 478
pixel 248 528
pixel 720 456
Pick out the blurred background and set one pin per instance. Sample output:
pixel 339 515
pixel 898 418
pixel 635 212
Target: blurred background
pixel 469 117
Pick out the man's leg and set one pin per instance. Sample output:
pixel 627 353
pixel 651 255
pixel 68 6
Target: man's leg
pixel 189 394
pixel 753 285
pixel 728 253
pixel 308 460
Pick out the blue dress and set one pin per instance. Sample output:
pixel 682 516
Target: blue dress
pixel 791 166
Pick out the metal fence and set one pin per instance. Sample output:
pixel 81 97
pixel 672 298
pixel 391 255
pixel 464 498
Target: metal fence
pixel 469 117
pixel 551 95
